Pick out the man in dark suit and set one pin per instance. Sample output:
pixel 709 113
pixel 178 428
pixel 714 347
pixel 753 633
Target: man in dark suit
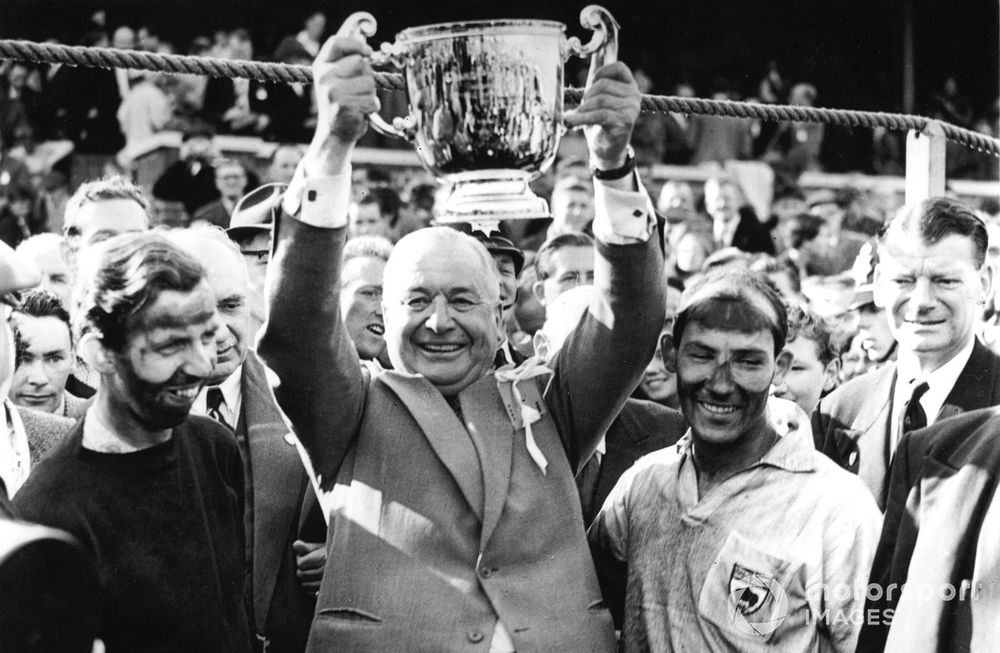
pixel 941 535
pixel 641 426
pixel 455 522
pixel 734 224
pixel 278 496
pixel 931 280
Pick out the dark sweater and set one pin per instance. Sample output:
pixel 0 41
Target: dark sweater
pixel 165 525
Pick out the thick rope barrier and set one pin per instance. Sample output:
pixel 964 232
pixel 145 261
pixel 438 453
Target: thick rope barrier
pixel 287 74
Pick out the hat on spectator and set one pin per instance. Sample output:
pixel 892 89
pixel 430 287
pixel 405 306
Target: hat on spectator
pixel 488 233
pixel 819 197
pixel 254 213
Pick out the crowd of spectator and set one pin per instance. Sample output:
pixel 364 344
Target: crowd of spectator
pixel 706 337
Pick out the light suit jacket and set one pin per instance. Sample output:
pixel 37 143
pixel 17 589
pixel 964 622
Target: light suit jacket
pixel 440 525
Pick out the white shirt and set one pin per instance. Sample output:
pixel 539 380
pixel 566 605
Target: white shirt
pixel 15 456
pixel 724 232
pixel 940 383
pixel 232 398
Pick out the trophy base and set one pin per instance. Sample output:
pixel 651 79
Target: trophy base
pixel 491 195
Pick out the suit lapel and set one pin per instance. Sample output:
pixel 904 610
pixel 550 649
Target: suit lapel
pixel 492 434
pixel 446 435
pixel 277 482
pixel 974 387
pixel 873 432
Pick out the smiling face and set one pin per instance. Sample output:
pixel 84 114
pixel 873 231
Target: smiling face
pixel 44 362
pixel 508 283
pixel 442 309
pixel 568 267
pixel 361 304
pixel 723 380
pixel 168 355
pixel 931 294
pixel 226 274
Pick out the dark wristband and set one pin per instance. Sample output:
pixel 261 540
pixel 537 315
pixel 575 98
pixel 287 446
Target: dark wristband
pixel 616 173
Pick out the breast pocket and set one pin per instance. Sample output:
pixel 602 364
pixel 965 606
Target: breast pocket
pixel 748 593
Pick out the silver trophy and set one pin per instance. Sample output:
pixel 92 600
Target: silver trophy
pixel 486 104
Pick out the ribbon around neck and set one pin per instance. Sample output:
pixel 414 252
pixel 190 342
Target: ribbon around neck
pixel 532 368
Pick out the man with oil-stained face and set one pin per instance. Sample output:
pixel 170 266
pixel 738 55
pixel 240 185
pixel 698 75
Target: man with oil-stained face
pixel 136 466
pixel 724 513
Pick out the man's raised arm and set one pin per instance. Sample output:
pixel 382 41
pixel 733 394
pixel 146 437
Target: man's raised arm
pixel 602 361
pixel 321 389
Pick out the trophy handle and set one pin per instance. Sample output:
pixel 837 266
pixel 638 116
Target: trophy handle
pixel 603 45
pixel 361 25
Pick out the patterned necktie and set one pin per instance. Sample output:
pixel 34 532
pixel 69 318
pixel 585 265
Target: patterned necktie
pixel 214 401
pixel 914 418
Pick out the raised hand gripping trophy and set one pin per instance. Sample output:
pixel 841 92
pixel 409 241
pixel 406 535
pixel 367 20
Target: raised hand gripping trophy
pixel 486 104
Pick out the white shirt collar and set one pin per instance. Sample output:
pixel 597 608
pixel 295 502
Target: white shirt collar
pixel 15 455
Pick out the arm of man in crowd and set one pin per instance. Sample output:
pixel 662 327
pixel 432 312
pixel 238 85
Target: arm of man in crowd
pixel 322 388
pixel 602 361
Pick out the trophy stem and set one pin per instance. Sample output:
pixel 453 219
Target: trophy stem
pixel 492 195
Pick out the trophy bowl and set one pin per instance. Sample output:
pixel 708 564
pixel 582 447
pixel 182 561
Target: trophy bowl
pixel 486 104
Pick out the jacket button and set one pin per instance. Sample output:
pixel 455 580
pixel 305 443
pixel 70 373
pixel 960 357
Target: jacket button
pixel 485 572
pixel 475 636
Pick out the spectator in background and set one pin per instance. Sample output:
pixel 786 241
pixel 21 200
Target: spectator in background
pixel 191 88
pixel 877 341
pixel 835 249
pixel 231 182
pixel 376 213
pixel 237 106
pixel 572 207
pixel 13 172
pixel 44 356
pixel 282 163
pixel 361 294
pixel 46 252
pixel 18 218
pixel 148 107
pixel 562 263
pixel 794 148
pixel 720 139
pixel 305 44
pixel 734 222
pixel 658 383
pixel 783 274
pixel 191 179
pixel 815 368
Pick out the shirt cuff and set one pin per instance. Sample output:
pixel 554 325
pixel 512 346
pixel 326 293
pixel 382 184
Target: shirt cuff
pixel 622 217
pixel 319 201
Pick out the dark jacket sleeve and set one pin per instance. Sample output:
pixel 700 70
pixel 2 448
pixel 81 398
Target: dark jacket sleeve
pixel 603 359
pixel 322 389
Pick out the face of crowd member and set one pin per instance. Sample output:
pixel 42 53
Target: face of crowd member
pixel 807 377
pixel 123 39
pixel 361 304
pixel 197 148
pixel 256 252
pixel 46 359
pixel 367 220
pixel 442 313
pixel 876 337
pixel 722 200
pixel 724 375
pixel 168 355
pixel 226 274
pixel 506 270
pixel 931 292
pixel 282 168
pixel 691 252
pixel 231 180
pixel 676 201
pixel 56 277
pixel 568 267
pixel 658 383
pixel 239 48
pixel 315 26
pixel 572 208
pixel 98 221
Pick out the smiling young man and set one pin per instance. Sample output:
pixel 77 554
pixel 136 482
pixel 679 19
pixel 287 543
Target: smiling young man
pixel 361 294
pixel 815 364
pixel 743 536
pixel 932 282
pixel 155 495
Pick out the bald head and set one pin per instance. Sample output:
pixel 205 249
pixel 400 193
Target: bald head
pixel 440 244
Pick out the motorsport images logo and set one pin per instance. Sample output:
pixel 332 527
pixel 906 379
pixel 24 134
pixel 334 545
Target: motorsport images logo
pixel 757 603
